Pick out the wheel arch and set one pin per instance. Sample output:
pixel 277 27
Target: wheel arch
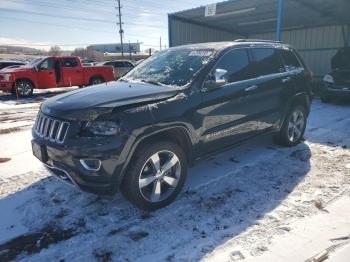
pixel 23 79
pixel 96 76
pixel 298 99
pixel 179 135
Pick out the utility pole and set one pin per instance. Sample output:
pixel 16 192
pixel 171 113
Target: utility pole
pixel 121 32
pixel 160 43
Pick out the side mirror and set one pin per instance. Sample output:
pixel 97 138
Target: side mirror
pixel 220 76
pixel 216 79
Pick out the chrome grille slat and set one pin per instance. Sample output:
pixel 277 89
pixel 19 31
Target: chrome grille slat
pixel 50 128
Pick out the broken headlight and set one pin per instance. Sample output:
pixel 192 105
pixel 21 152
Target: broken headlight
pixel 102 128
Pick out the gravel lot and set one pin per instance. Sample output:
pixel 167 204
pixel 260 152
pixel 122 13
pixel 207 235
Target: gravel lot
pixel 232 208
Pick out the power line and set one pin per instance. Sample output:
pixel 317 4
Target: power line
pixel 64 26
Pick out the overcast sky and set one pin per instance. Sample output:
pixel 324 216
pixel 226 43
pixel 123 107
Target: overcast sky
pixel 77 23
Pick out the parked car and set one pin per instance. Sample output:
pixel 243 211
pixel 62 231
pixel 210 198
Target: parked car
pixel 336 84
pixel 49 72
pixel 140 133
pixel 121 66
pixel 7 63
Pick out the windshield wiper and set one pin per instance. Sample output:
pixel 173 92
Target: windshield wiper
pixel 151 82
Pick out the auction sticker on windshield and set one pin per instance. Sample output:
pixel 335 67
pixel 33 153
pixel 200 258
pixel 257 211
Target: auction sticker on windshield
pixel 200 53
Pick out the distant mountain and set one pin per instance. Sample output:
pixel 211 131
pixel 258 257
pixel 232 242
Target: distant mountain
pixel 21 49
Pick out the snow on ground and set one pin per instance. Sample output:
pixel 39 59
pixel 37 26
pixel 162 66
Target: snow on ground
pixel 234 205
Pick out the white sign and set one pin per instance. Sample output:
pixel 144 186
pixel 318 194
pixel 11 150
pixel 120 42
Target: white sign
pixel 210 10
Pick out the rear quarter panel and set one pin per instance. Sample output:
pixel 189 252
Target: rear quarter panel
pixel 106 72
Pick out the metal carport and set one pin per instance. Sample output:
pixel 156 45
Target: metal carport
pixel 317 28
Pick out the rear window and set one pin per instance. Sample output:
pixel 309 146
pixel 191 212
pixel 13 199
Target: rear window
pixel 291 62
pixel 267 61
pixel 69 62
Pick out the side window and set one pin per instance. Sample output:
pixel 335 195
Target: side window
pixel 127 64
pixel 109 64
pixel 119 64
pixel 47 64
pixel 291 62
pixel 69 62
pixel 267 61
pixel 236 63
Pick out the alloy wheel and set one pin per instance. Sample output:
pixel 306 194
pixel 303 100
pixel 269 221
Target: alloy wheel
pixel 159 176
pixel 24 88
pixel 296 125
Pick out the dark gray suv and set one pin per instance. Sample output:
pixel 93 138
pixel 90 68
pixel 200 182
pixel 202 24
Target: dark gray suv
pixel 139 134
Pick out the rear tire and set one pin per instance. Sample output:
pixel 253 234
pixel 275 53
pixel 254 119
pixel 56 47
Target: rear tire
pixel 293 129
pixel 96 81
pixel 144 186
pixel 23 88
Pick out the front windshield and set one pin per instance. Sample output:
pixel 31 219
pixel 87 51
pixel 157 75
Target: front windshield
pixel 34 62
pixel 171 67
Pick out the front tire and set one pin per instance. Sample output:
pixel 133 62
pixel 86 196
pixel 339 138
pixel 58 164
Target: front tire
pixel 156 175
pixel 293 129
pixel 24 88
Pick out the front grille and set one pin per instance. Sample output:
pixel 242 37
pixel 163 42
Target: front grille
pixel 51 129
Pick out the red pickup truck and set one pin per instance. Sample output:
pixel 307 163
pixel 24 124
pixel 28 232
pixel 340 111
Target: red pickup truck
pixel 54 71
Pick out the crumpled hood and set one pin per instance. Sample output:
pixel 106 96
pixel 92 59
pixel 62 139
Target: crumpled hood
pixel 92 101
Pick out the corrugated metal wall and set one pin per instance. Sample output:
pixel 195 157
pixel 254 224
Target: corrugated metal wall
pixel 316 45
pixel 186 33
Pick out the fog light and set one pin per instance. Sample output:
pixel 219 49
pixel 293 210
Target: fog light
pixel 91 164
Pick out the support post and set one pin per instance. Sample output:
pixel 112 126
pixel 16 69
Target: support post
pixel 279 20
pixel 346 34
pixel 170 30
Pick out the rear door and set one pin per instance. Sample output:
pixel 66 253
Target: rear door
pixel 46 73
pixel 71 71
pixel 266 98
pixel 226 110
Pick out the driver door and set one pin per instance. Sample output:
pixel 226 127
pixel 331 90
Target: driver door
pixel 226 108
pixel 46 77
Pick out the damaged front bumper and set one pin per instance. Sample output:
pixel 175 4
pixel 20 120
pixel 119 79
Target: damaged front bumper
pixel 90 166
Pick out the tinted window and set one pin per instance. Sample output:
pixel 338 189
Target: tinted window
pixel 267 61
pixel 291 62
pixel 47 64
pixel 127 64
pixel 109 64
pixel 69 62
pixel 119 64
pixel 237 65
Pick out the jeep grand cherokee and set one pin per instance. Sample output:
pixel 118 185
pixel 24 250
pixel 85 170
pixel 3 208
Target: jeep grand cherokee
pixel 140 133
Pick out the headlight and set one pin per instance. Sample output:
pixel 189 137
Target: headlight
pixel 5 77
pixel 103 128
pixel 328 79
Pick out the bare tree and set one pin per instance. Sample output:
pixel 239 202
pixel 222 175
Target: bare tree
pixel 55 51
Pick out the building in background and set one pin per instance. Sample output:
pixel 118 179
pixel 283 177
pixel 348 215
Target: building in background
pixel 317 29
pixel 116 48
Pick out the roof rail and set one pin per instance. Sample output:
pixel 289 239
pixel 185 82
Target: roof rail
pixel 258 40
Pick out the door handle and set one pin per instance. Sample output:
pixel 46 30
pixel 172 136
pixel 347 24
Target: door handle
pixel 50 73
pixel 78 71
pixel 287 79
pixel 251 88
